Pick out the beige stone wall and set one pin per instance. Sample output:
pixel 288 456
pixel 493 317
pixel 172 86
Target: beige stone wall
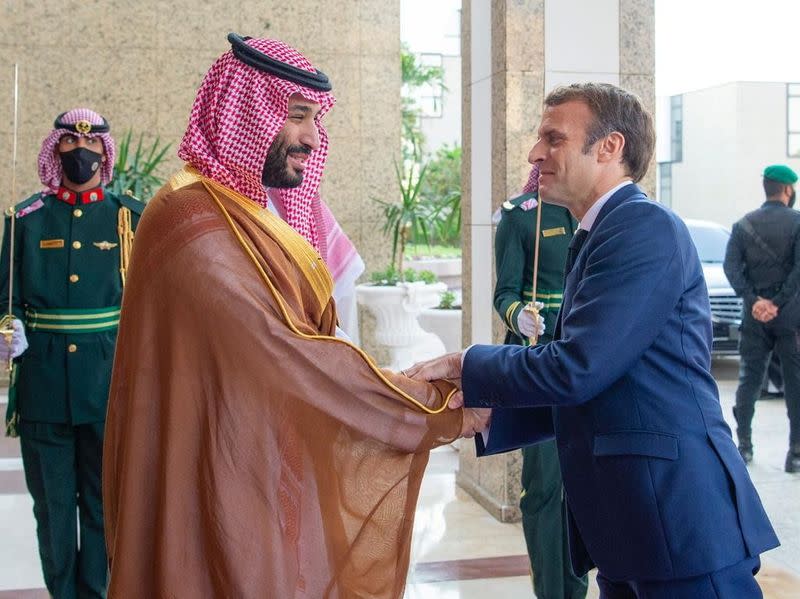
pixel 517 55
pixel 140 63
pixel 518 92
pixel 466 168
pixel 637 58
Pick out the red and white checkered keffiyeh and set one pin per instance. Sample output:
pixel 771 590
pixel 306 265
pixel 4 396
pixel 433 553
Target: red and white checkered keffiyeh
pixel 238 113
pixel 532 186
pixel 50 171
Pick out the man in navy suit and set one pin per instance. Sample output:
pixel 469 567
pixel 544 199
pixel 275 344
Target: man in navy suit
pixel 658 498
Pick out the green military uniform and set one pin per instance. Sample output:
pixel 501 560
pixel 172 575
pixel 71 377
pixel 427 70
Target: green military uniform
pixel 67 292
pixel 541 503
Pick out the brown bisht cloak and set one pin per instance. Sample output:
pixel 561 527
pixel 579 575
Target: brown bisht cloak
pixel 248 453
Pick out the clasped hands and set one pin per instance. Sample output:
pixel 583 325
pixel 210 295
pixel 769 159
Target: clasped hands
pixel 448 367
pixel 764 310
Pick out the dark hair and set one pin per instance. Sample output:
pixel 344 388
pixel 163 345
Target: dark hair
pixel 614 109
pixel 772 187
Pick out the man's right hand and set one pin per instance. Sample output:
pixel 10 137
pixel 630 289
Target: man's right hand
pixel 475 421
pixel 530 325
pixel 446 367
pixel 19 343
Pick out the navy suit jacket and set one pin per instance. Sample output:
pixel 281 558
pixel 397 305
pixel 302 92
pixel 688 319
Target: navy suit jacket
pixel 655 487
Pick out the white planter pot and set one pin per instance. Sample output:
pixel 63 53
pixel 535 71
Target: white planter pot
pixel 396 310
pixel 445 324
pixel 447 270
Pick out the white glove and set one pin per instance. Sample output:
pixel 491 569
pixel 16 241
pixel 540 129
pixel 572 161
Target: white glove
pixel 529 325
pixel 19 343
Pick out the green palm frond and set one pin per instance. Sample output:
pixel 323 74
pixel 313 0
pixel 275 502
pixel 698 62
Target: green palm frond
pixel 135 168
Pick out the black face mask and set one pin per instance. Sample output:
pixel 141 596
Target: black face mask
pixel 80 164
pixel 792 198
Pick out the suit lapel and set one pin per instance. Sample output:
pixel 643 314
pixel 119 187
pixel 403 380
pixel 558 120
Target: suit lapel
pixel 623 195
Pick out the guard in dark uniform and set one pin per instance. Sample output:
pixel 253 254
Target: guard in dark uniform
pixel 70 249
pixel 541 502
pixel 762 262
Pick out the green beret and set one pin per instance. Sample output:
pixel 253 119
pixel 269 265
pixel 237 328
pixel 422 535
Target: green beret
pixel 780 173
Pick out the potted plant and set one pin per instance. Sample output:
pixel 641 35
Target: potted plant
pixel 441 195
pixel 135 171
pixel 444 321
pixel 396 295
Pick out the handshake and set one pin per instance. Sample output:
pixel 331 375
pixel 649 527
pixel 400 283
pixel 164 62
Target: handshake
pixel 448 367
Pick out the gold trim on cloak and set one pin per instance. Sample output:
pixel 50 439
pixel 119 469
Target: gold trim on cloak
pixel 307 258
pixel 291 241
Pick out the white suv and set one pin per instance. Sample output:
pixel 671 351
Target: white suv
pixel 711 239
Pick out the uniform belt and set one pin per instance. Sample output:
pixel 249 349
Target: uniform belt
pixel 551 298
pixel 71 320
pixel 769 292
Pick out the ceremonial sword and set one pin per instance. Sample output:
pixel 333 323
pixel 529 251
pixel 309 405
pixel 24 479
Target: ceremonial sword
pixel 531 305
pixel 7 322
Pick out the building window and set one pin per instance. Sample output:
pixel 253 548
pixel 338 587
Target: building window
pixel 430 96
pixel 793 120
pixel 665 183
pixel 676 128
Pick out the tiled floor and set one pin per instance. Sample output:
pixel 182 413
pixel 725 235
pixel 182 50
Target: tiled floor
pixel 460 551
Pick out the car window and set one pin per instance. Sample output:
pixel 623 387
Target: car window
pixel 710 242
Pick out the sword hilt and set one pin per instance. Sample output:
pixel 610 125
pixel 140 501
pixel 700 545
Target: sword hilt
pixel 532 309
pixel 7 331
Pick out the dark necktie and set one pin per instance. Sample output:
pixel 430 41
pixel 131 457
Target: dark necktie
pixel 574 248
pixel 575 245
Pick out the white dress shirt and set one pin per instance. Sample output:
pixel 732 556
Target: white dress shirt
pixel 591 214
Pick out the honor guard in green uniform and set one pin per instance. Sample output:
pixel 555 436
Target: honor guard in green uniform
pixel 70 249
pixel 541 502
